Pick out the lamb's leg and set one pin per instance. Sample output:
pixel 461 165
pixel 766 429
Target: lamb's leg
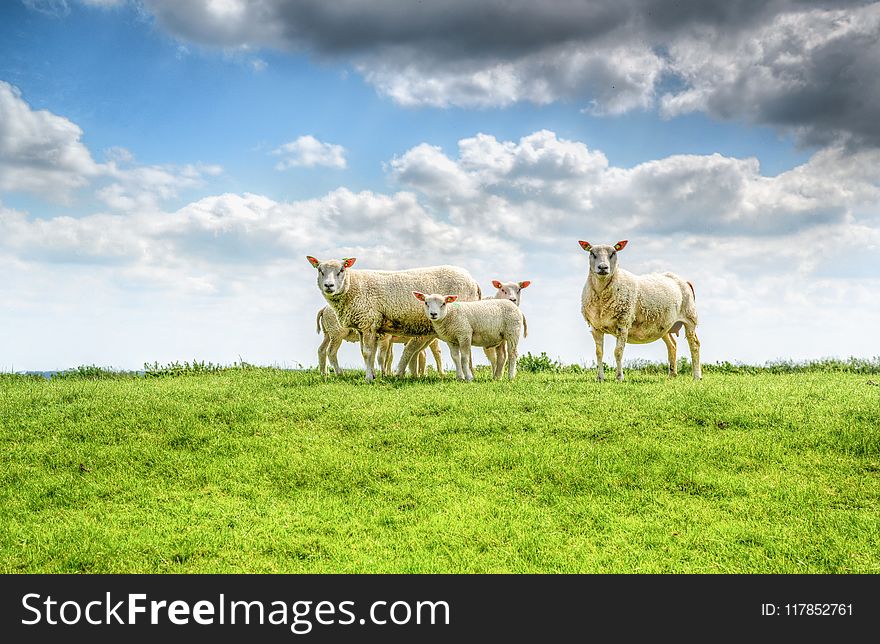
pixel 438 358
pixel 384 346
pixel 335 343
pixel 455 352
pixel 690 332
pixel 500 354
pixel 423 359
pixel 618 350
pixel 671 346
pixel 599 339
pixel 322 355
pixel 369 344
pixel 512 343
pixel 465 348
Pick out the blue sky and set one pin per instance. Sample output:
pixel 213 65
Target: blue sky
pixel 178 104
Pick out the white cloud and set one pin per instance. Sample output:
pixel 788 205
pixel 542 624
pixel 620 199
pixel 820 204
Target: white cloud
pixel 40 152
pixel 307 151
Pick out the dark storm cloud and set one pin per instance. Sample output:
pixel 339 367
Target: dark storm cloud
pixel 818 79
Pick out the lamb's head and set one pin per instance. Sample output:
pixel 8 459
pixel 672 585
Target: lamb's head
pixel 603 259
pixel 435 305
pixel 332 274
pixel 509 290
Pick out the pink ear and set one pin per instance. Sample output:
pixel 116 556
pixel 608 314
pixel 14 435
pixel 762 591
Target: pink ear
pixel 585 245
pixel 524 284
pixel 451 298
pixel 620 245
pixel 419 296
pixel 348 262
pixel 314 262
pixel 496 283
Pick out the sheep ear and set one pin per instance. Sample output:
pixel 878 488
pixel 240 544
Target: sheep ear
pixel 524 284
pixel 496 283
pixel 620 245
pixel 348 262
pixel 585 245
pixel 451 298
pixel 419 296
pixel 314 262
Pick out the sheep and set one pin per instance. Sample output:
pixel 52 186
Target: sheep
pixel 506 291
pixel 378 302
pixel 636 308
pixel 386 354
pixel 486 323
pixel 335 334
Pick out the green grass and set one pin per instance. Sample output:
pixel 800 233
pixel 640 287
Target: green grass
pixel 261 470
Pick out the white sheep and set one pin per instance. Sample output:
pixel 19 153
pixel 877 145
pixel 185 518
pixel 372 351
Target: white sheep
pixel 379 302
pixel 335 334
pixel 506 291
pixel 636 308
pixel 386 354
pixel 487 323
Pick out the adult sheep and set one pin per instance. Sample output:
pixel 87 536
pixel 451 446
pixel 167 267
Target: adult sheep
pixel 378 302
pixel 636 308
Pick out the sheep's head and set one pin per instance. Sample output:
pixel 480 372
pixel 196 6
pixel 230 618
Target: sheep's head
pixel 509 290
pixel 435 305
pixel 603 259
pixel 332 274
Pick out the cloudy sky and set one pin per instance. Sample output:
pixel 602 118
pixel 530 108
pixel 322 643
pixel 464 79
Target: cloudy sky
pixel 166 166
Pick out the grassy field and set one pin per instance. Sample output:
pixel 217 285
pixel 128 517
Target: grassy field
pixel 263 470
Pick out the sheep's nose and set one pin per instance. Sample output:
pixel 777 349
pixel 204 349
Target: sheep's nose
pixel 602 267
pixel 328 284
pixel 433 316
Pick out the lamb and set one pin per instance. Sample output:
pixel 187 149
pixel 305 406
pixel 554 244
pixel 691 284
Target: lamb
pixel 386 354
pixel 379 302
pixel 335 334
pixel 506 291
pixel 637 308
pixel 487 323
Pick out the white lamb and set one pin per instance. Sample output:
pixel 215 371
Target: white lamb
pixel 379 302
pixel 335 334
pixel 487 323
pixel 506 291
pixel 637 308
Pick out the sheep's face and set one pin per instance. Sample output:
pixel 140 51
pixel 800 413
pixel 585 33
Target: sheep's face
pixel 435 305
pixel 509 290
pixel 332 274
pixel 603 258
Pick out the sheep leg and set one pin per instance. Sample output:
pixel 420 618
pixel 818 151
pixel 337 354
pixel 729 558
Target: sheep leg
pixel 369 344
pixel 500 353
pixel 322 355
pixel 413 346
pixel 511 357
pixel 671 346
pixel 385 354
pixel 438 358
pixel 465 348
pixel 618 350
pixel 335 343
pixel 491 354
pixel 455 352
pixel 690 332
pixel 423 359
pixel 599 339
